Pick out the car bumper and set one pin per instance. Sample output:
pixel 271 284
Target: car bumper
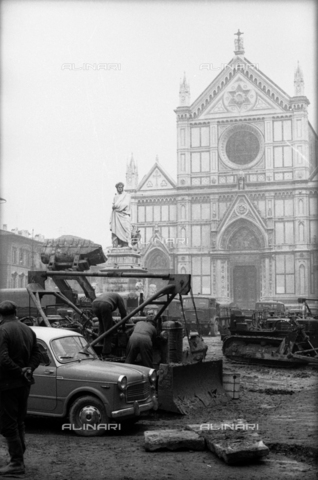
pixel 136 409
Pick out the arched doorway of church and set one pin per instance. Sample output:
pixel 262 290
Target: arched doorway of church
pixel 244 243
pixel 156 262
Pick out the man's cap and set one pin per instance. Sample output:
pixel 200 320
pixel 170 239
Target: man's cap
pixel 8 308
pixel 119 184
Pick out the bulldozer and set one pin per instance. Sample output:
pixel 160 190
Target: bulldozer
pixel 271 340
pixel 185 379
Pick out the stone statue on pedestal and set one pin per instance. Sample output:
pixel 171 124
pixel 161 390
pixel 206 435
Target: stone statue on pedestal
pixel 120 223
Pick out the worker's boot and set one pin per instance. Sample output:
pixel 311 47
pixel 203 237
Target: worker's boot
pixel 16 464
pixel 22 437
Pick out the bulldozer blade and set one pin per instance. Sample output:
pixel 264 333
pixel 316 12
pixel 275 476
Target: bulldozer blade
pixel 184 387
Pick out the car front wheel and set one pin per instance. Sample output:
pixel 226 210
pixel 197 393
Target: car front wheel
pixel 88 417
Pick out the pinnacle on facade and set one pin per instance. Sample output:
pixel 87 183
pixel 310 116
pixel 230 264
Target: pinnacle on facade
pixel 132 163
pixel 239 43
pixel 184 92
pixel 299 86
pixel 131 174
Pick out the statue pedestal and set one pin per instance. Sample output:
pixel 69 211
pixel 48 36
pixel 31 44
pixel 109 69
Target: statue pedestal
pixel 121 260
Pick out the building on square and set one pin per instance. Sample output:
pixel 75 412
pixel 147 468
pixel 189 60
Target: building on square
pixel 241 216
pixel 19 253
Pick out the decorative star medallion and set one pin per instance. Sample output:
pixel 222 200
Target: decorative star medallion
pixel 239 98
pixel 241 209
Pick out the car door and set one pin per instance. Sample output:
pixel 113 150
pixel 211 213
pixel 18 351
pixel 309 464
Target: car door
pixel 43 393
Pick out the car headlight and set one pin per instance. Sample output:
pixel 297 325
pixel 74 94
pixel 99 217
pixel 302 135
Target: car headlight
pixel 122 382
pixel 152 376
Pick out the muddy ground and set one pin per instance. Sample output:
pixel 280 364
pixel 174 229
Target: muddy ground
pixel 283 402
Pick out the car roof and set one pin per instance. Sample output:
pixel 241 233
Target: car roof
pixel 48 333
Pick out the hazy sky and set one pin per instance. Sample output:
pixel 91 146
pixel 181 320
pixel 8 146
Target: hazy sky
pixel 67 133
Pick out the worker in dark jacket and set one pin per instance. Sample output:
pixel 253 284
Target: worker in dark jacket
pixel 103 306
pixel 141 342
pixel 19 357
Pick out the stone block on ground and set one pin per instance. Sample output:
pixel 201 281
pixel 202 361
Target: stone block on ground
pixel 173 440
pixel 239 448
pixel 234 441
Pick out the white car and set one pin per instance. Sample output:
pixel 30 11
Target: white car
pixel 94 395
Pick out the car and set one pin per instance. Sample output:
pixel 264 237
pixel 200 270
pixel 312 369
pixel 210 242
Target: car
pixel 94 395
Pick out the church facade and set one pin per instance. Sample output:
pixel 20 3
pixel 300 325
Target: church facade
pixel 241 216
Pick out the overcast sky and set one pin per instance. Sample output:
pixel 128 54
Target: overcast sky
pixel 67 133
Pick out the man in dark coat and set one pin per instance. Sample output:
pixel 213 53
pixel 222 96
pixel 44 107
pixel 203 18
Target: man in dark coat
pixel 19 357
pixel 103 306
pixel 141 342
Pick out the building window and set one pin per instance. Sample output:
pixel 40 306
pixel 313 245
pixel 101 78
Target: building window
pixel 200 137
pixel 313 206
pixel 195 137
pixel 242 147
pixel 141 214
pixel 21 280
pixel 284 233
pixel 165 213
pixel 14 280
pixel 302 280
pixel 14 256
pixel 200 211
pixel 200 162
pixel 299 128
pixel 200 236
pixel 156 213
pixel 149 217
pixel 283 157
pixel 282 130
pixel 201 275
pixel 284 207
pixel 21 256
pixel 205 140
pixel 173 213
pixel 285 274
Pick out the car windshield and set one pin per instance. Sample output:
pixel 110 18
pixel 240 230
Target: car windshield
pixel 71 349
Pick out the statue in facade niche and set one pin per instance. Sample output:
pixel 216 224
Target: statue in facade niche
pixel 120 223
pixel 135 237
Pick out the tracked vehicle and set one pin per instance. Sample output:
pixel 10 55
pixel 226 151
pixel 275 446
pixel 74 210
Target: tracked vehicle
pixel 276 342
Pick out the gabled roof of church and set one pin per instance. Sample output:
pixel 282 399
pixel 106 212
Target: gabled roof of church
pixel 156 179
pixel 243 89
pixel 241 208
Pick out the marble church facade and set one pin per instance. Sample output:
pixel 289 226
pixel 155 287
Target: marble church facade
pixel 241 216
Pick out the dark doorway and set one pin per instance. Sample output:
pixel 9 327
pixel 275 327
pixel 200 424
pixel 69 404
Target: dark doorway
pixel 245 286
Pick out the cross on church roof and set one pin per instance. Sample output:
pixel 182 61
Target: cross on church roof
pixel 156 174
pixel 238 43
pixel 238 33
